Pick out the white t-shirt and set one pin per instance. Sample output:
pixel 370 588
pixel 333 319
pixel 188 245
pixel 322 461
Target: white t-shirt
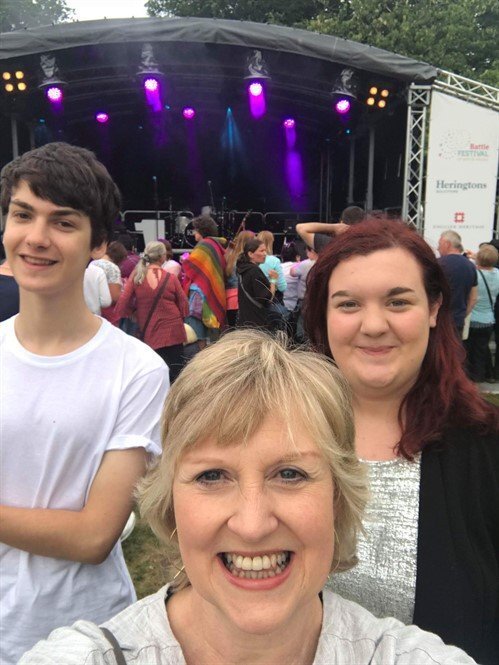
pixel 59 415
pixel 95 289
pixel 301 271
pixel 172 267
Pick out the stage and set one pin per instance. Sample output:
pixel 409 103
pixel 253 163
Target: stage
pixel 228 155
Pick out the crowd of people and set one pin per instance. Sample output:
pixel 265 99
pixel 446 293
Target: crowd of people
pixel 328 495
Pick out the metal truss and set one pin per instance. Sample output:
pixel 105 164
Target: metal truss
pixel 467 89
pixel 419 97
pixel 417 110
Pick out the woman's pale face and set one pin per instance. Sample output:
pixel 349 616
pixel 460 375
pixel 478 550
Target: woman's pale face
pixel 379 320
pixel 259 255
pixel 255 527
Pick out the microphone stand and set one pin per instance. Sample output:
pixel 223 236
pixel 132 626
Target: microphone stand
pixel 156 203
pixel 212 201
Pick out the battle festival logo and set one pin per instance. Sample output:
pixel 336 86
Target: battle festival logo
pixel 457 145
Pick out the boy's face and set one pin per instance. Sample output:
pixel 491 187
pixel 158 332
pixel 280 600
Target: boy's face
pixel 47 245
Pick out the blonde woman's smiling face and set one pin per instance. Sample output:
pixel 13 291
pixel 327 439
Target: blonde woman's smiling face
pixel 379 321
pixel 255 527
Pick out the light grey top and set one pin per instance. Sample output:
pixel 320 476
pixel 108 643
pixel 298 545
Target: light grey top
pixel 384 580
pixel 110 269
pixel 350 635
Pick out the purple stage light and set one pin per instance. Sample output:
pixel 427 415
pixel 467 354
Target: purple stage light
pixel 289 123
pixel 151 84
pixel 54 94
pixel 102 117
pixel 342 105
pixel 188 113
pixel 255 89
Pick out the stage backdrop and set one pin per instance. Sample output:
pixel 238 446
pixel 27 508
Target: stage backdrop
pixel 462 170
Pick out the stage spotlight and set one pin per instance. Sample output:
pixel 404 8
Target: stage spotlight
pixel 102 117
pixel 188 112
pixel 51 83
pixel 289 123
pixel 14 82
pixel 54 94
pixel 255 89
pixel 257 75
pixel 342 105
pixel 151 77
pixel 151 84
pixel 378 97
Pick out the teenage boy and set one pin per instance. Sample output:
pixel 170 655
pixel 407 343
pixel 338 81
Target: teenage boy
pixel 81 403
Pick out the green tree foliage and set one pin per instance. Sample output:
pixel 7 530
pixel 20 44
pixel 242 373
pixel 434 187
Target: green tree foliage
pixel 458 35
pixel 16 14
pixel 286 12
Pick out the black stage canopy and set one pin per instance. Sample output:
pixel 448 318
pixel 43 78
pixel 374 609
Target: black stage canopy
pixel 214 31
pixel 204 62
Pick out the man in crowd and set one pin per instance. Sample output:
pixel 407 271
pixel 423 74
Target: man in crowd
pixel 81 403
pixel 319 234
pixel 461 275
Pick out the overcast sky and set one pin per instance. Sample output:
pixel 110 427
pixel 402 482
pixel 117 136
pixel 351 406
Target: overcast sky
pixel 86 10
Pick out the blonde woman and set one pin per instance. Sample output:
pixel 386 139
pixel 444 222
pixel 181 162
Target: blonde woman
pixel 255 507
pixel 160 304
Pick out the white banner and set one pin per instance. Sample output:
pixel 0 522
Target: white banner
pixel 462 171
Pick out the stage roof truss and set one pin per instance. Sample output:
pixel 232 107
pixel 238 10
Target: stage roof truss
pixel 467 89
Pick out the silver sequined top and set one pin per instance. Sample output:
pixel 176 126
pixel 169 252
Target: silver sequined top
pixel 384 580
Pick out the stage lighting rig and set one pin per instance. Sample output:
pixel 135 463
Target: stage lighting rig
pixel 51 84
pixel 256 68
pixel 148 72
pixel 345 90
pixel 257 75
pixel 151 77
pixel 14 81
pixel 378 97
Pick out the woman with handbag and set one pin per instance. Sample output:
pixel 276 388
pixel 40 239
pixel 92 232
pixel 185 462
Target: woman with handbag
pixel 255 292
pixel 482 315
pixel 160 304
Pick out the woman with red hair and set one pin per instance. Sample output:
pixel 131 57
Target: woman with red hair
pixel 378 303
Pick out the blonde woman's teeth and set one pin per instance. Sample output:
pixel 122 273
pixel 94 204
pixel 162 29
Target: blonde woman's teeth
pixel 257 567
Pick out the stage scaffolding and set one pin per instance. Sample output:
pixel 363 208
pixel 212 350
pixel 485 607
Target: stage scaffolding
pixel 418 102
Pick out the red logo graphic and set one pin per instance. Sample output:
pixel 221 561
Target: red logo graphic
pixel 459 217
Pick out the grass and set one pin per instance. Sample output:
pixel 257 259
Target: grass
pixel 145 560
pixel 144 557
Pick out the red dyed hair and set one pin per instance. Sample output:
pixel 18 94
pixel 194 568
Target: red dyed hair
pixel 442 394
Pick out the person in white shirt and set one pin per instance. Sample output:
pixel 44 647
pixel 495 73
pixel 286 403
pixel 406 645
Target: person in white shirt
pixel 95 289
pixel 80 400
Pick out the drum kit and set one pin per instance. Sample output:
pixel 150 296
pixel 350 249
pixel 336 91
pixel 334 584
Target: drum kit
pixel 183 235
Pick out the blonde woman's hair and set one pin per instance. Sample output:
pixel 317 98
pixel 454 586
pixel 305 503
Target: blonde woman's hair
pixel 154 252
pixel 225 393
pixel 267 237
pixel 233 254
pixel 487 256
